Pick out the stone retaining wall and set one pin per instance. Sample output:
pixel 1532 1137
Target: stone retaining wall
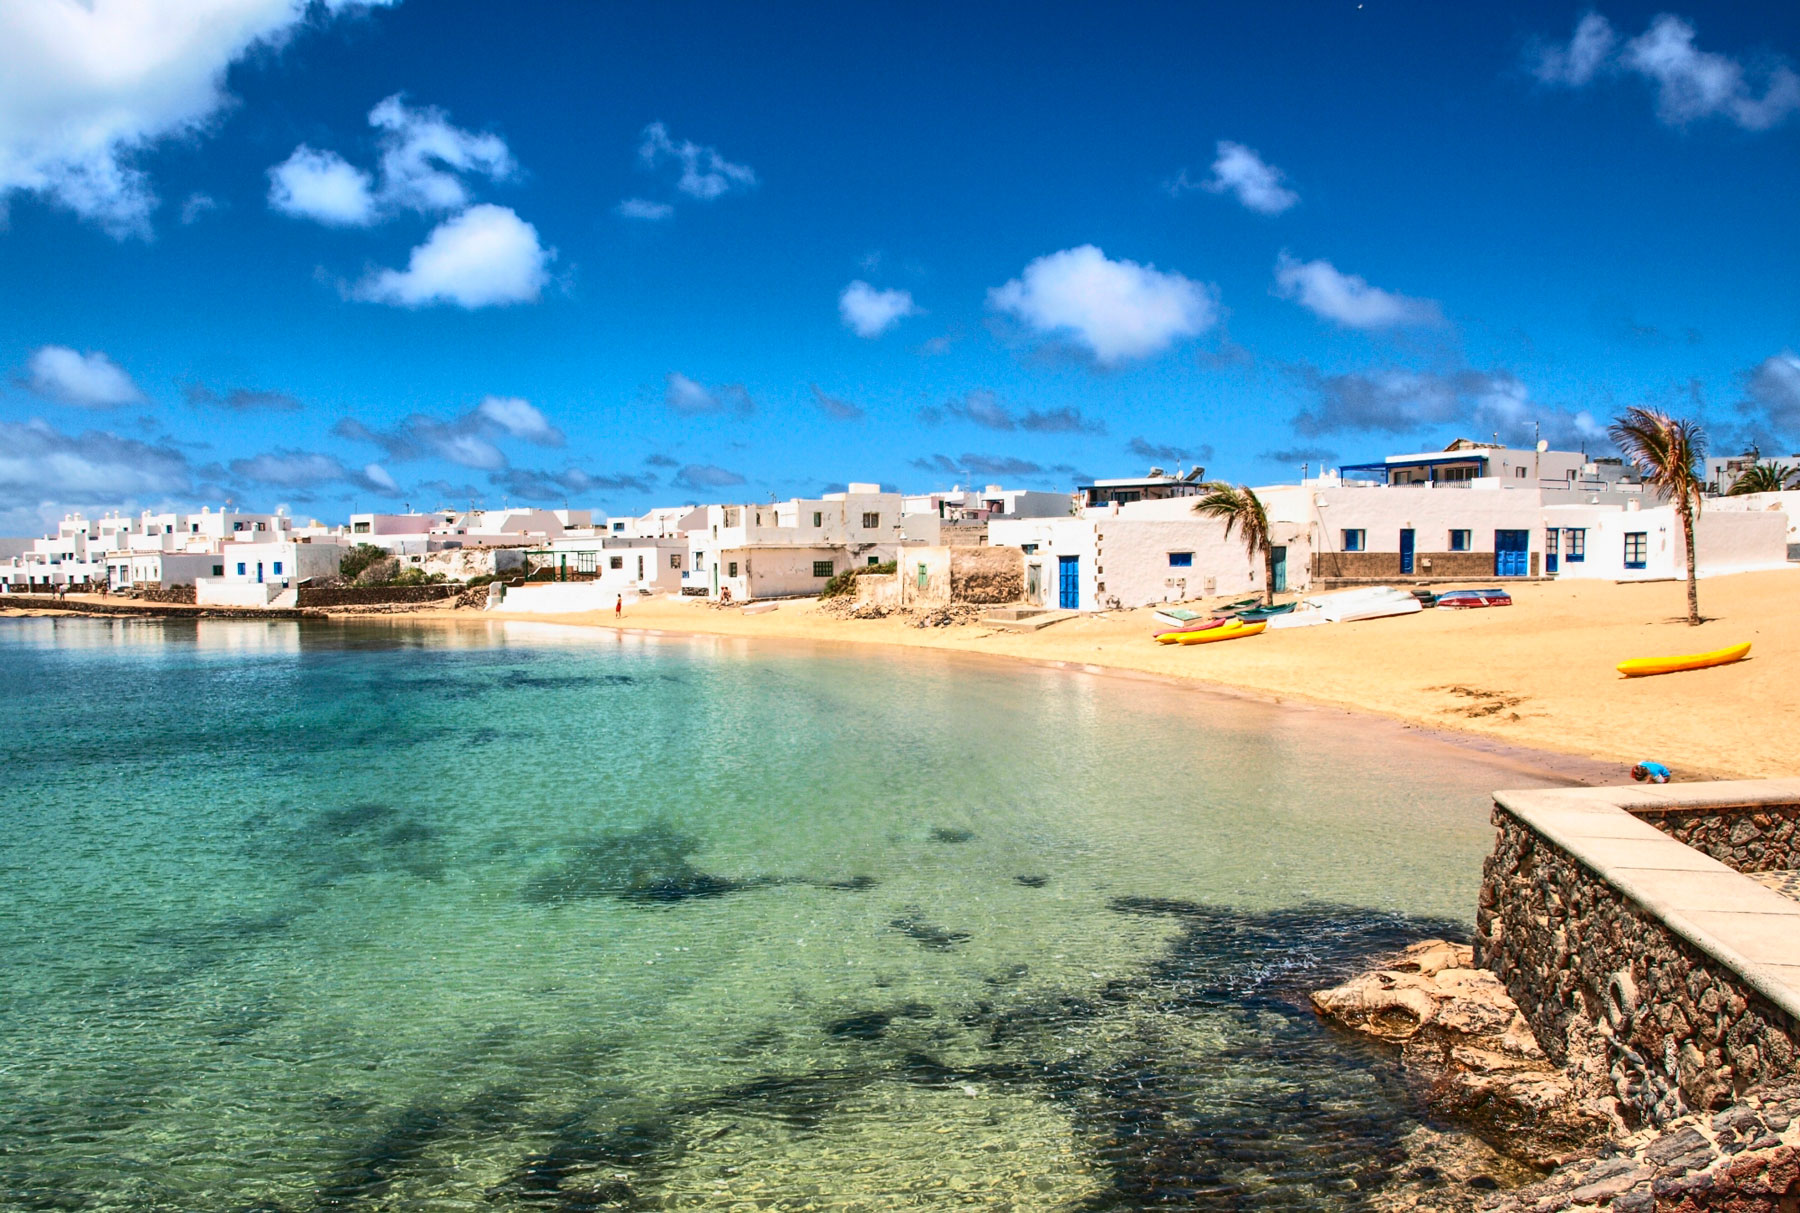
pixel 1750 838
pixel 369 595
pixel 1637 1012
pixel 166 593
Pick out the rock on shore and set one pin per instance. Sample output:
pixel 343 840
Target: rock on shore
pixel 1743 1158
pixel 1469 1053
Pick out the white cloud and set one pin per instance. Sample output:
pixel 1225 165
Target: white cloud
pixel 89 381
pixel 322 186
pixel 1240 171
pixel 196 207
pixel 460 440
pixel 1773 390
pixel 1347 299
pixel 1116 310
pixel 1395 400
pixel 290 469
pixel 487 256
pixel 1694 84
pixel 705 174
pixel 422 156
pixel 1578 62
pixel 520 418
pixel 43 471
pixel 688 396
pixel 424 160
pixel 85 88
pixel 869 312
pixel 1691 84
pixel 644 208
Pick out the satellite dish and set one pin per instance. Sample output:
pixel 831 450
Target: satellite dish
pixel 1543 445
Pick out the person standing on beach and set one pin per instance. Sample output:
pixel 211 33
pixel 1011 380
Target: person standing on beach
pixel 619 608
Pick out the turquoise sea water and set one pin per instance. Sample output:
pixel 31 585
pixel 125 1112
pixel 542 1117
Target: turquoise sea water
pixel 519 917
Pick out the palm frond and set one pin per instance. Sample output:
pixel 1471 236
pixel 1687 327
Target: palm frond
pixel 1761 478
pixel 1667 451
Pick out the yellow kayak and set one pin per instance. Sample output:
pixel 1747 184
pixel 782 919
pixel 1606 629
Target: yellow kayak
pixel 1225 631
pixel 1640 666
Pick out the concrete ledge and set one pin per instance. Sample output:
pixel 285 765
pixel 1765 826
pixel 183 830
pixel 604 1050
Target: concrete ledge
pixel 1026 621
pixel 1750 930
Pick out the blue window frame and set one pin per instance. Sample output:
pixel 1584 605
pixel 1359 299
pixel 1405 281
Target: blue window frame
pixel 240 568
pixel 1635 549
pixel 1355 541
pixel 1459 541
pixel 1181 560
pixel 1575 545
pixel 278 568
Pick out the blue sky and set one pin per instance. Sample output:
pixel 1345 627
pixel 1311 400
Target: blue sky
pixel 356 255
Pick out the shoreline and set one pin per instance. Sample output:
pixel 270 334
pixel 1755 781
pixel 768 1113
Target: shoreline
pixel 1534 678
pixel 1537 676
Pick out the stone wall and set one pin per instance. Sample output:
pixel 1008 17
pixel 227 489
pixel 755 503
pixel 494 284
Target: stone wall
pixel 1750 838
pixel 1386 565
pixel 171 593
pixel 367 595
pixel 1637 1013
pixel 987 575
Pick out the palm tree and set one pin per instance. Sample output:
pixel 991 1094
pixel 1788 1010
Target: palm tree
pixel 1243 510
pixel 1667 451
pixel 1761 478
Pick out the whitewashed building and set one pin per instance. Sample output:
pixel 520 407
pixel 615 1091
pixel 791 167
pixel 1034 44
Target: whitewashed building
pixel 790 548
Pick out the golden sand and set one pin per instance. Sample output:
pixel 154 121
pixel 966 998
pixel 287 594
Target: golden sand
pixel 1539 673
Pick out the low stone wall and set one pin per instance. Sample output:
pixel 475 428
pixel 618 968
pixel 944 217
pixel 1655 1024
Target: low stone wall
pixel 987 575
pixel 169 593
pixel 1750 838
pixel 1633 1005
pixel 1458 566
pixel 371 595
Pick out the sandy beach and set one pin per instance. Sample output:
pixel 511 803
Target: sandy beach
pixel 1538 674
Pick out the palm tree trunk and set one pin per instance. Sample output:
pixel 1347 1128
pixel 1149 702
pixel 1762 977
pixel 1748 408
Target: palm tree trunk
pixel 1687 531
pixel 1268 555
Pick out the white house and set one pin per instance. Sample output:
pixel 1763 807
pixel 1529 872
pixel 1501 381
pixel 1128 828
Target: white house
pixel 789 548
pixel 138 570
pixel 664 522
pixel 1647 544
pixel 262 574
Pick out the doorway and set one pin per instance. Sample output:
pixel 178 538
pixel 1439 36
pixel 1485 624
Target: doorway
pixel 1510 553
pixel 1406 552
pixel 1068 583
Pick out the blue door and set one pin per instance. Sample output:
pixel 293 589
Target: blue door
pixel 1550 552
pixel 1280 554
pixel 259 572
pixel 1406 552
pixel 1068 585
pixel 1510 553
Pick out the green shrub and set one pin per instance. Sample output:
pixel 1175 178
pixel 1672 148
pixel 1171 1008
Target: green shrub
pixel 845 582
pixel 359 558
pixel 416 576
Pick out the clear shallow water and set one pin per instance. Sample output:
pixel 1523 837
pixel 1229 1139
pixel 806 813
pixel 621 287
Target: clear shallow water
pixel 519 917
